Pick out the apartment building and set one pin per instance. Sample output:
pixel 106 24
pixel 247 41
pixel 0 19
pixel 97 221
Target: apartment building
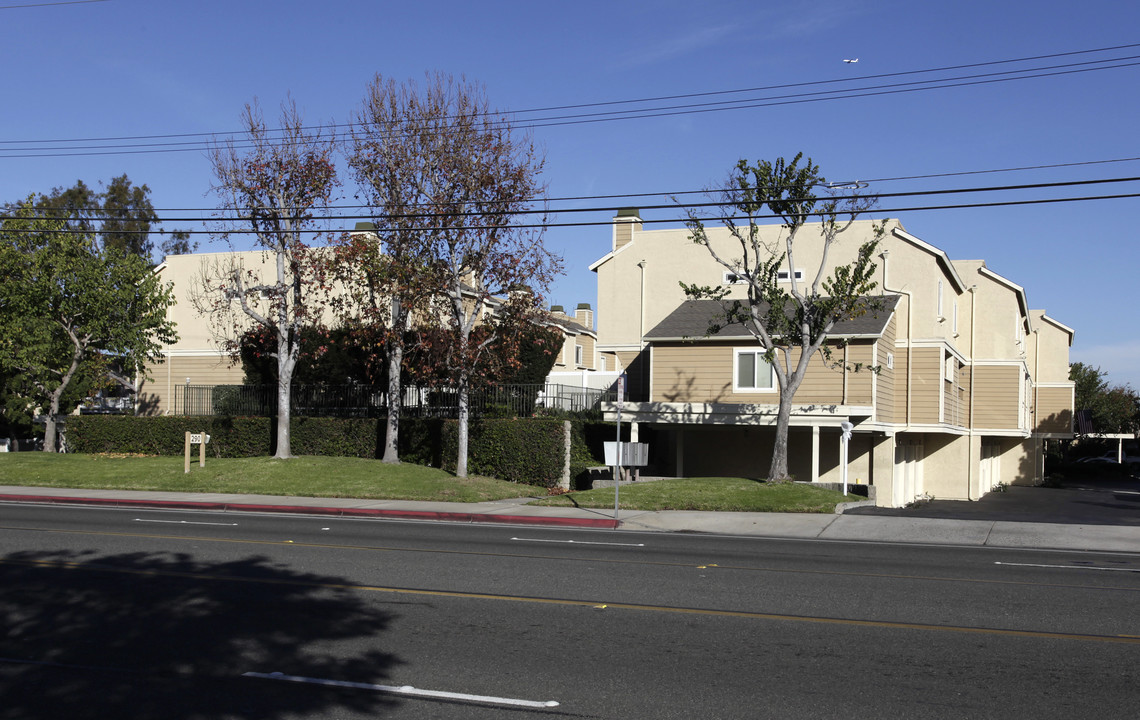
pixel 198 358
pixel 967 382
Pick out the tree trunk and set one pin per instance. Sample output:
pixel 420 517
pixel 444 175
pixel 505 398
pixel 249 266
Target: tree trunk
pixel 461 455
pixel 395 402
pixel 778 472
pixel 285 365
pixel 50 425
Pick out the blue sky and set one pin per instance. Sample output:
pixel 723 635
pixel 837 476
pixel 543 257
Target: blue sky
pixel 124 68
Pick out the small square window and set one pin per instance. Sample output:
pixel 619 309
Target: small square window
pixel 753 372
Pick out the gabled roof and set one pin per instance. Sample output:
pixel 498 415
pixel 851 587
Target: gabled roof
pixel 942 257
pixel 1022 302
pixel 690 321
pixel 1060 326
pixel 566 323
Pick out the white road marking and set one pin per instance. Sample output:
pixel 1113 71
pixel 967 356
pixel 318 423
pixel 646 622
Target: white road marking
pixel 184 522
pixel 579 542
pixel 1070 567
pixel 407 690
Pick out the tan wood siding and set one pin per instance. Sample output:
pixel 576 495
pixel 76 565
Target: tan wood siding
pixel 860 384
pixel 703 372
pixel 155 395
pixel 1055 409
pixel 954 405
pixel 996 396
pixel 885 386
pixel 927 379
pixel 965 377
pixel 587 344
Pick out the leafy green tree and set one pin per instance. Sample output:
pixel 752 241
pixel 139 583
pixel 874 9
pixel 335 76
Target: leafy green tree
pixel 67 304
pixel 120 214
pixel 796 315
pixel 1111 409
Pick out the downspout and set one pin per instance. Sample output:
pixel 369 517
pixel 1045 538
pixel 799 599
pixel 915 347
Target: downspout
pixel 641 335
pixel 973 382
pixel 1037 446
pixel 844 374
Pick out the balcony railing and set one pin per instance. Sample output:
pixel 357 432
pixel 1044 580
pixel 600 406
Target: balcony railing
pixel 364 401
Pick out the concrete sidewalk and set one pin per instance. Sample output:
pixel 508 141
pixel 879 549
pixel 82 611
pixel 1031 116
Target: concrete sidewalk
pixel 841 527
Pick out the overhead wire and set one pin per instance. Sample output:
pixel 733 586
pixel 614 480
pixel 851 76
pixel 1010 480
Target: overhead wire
pixel 873 211
pixel 95 216
pixel 57 150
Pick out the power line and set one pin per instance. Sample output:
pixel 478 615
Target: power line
pixel 658 98
pixel 608 222
pixel 641 113
pixel 49 4
pixel 96 216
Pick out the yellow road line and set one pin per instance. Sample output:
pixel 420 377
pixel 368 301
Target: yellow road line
pixel 611 561
pixel 595 604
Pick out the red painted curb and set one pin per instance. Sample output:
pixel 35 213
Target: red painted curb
pixel 603 523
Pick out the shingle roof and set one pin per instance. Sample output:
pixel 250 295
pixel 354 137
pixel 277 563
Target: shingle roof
pixel 566 323
pixel 690 321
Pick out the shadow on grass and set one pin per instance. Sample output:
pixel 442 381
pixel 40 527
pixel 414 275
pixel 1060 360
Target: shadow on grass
pixel 162 635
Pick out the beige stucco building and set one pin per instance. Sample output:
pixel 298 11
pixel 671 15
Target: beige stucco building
pixel 199 358
pixel 970 381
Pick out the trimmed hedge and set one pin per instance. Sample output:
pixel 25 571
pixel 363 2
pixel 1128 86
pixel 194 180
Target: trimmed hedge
pixel 528 450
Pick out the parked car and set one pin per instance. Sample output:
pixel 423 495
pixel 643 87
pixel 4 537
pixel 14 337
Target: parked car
pixel 1106 458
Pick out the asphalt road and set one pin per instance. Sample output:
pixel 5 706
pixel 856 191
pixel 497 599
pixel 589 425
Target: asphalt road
pixel 145 614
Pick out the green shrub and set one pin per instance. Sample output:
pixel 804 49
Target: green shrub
pixel 528 451
pixel 229 437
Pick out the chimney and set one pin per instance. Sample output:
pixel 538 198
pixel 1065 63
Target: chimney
pixel 585 315
pixel 557 310
pixel 626 223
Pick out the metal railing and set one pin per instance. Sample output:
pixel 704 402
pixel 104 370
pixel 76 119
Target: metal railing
pixel 364 401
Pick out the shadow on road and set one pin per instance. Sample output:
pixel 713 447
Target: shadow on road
pixel 160 635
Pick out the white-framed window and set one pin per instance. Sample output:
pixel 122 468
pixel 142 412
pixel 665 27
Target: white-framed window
pixel 578 354
pixel 732 278
pixel 890 361
pixel 785 276
pixel 954 318
pixel 751 372
pixel 941 315
pixel 602 363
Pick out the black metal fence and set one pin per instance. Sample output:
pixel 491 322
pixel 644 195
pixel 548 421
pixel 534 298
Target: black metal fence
pixel 364 401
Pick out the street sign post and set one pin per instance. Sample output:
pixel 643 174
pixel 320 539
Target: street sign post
pixel 617 463
pixel 846 427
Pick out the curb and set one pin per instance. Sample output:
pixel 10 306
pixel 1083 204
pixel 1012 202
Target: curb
pixel 601 523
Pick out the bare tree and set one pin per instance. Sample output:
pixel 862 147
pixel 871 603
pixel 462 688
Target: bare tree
pixel 276 179
pixel 796 315
pixel 449 179
pixel 396 137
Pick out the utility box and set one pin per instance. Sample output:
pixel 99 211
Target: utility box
pixel 632 454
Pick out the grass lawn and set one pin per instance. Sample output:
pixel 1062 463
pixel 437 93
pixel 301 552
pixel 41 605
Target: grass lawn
pixel 301 476
pixel 312 476
pixel 709 493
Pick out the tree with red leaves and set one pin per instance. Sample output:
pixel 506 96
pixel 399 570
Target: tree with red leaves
pixel 447 182
pixel 277 179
